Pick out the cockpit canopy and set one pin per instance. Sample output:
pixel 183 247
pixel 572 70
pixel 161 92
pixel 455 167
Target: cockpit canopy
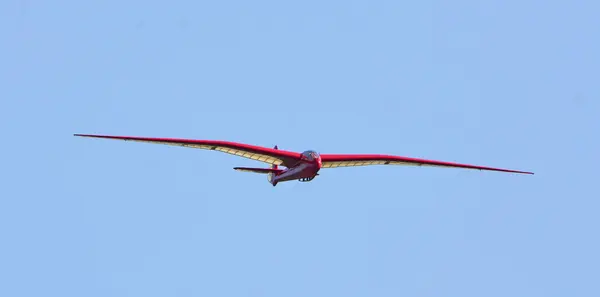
pixel 310 155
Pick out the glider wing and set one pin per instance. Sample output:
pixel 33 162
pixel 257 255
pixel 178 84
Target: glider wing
pixel 258 153
pixel 334 161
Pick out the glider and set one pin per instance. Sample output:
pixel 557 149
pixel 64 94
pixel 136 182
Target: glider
pixel 303 166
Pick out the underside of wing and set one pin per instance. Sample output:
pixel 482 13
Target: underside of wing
pixel 334 161
pixel 258 153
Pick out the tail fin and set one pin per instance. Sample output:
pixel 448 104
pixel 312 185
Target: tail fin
pixel 271 176
pixel 274 166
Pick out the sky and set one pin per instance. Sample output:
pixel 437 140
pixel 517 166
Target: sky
pixel 510 84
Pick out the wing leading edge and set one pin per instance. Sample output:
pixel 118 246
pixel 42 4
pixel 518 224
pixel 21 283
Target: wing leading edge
pixel 258 153
pixel 335 160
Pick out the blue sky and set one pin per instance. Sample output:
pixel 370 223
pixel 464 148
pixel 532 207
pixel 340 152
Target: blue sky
pixel 500 83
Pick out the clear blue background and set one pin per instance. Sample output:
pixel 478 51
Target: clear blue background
pixel 501 83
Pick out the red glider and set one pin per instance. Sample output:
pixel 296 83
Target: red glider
pixel 300 166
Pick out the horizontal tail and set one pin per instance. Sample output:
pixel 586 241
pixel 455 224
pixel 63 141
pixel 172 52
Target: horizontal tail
pixel 270 172
pixel 258 170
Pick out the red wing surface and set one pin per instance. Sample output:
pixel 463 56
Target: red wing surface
pixel 334 161
pixel 258 153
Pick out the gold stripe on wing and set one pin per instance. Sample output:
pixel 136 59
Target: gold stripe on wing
pixel 249 155
pixel 335 164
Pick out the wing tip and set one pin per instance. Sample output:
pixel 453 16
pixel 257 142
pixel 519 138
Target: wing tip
pixel 514 171
pixel 506 170
pixel 98 136
pixel 524 172
pixel 518 172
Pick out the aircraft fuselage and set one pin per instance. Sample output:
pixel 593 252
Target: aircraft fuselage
pixel 305 170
